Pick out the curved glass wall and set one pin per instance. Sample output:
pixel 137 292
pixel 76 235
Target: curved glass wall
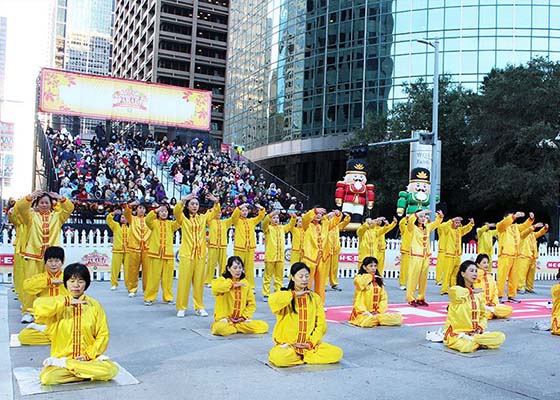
pixel 301 69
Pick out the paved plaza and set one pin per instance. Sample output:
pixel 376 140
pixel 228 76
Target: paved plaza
pixel 174 358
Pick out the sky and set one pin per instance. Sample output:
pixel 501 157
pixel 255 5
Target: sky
pixel 26 53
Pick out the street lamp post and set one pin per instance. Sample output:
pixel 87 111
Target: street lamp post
pixel 436 157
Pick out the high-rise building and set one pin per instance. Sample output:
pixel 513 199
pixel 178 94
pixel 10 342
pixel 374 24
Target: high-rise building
pixel 3 37
pixel 82 42
pixel 303 74
pixel 175 42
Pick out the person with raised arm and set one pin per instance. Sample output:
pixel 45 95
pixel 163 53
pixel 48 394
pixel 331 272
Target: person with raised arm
pixel 192 253
pixel 454 250
pixel 217 246
pixel 334 251
pixel 529 255
pixel 137 256
pixel 43 214
pixel 118 224
pixel 383 229
pixel 274 241
pixel 244 241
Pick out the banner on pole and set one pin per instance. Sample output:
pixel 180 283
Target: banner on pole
pixel 69 93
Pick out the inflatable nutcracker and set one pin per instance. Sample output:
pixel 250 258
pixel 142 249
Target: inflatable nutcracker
pixel 354 194
pixel 417 195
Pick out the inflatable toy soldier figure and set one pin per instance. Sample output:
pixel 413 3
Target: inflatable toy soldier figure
pixel 353 194
pixel 417 195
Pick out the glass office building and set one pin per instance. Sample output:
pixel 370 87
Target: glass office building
pixel 303 74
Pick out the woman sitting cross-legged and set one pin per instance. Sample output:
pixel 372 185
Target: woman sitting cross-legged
pixel 78 330
pixel 466 316
pixel 300 324
pixel 370 298
pixel 235 302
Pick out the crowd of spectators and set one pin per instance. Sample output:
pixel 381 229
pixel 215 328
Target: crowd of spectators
pixel 107 172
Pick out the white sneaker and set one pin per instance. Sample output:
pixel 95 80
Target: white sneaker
pixel 522 291
pixel 207 285
pixel 435 336
pixel 201 313
pixel 542 325
pixel 113 288
pixel 131 294
pixel 181 313
pixel 170 302
pixel 27 318
pixel 402 287
pixel 148 303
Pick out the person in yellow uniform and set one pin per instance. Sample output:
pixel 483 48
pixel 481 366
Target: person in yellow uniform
pixel 419 229
pixel 528 257
pixel 485 282
pixel 485 235
pixel 43 223
pixel 368 238
pixel 317 225
pixel 235 302
pixel 244 240
pixel 19 248
pixel 555 316
pixel 334 252
pixel 192 253
pixel 382 243
pixel 79 334
pixel 119 226
pixel 300 324
pixel 442 241
pixel 138 236
pixel 217 246
pixel 47 284
pixel 405 252
pixel 454 250
pixel 466 319
pixel 274 240
pixel 161 257
pixel 297 234
pixel 370 298
pixel 509 240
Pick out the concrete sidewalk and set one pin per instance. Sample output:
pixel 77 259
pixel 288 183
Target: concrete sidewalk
pixel 177 358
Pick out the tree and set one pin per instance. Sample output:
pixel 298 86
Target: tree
pixel 515 164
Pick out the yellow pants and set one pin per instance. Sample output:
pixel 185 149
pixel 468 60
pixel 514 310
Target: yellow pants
pixel 286 356
pixel 318 277
pixel 222 328
pixel 33 337
pixel 507 271
pixel 30 269
pixel 403 274
pixel 117 260
pixel 385 319
pixel 526 268
pixel 417 278
pixel 273 272
pixel 450 270
pixel 248 258
pixel 440 267
pixel 132 269
pixel 190 272
pixel 332 265
pixel 489 340
pixel 295 256
pixel 160 271
pixel 500 311
pixel 75 371
pixel 18 274
pixel 380 261
pixel 215 256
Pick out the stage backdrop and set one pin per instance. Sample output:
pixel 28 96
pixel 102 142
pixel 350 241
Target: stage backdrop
pixel 69 93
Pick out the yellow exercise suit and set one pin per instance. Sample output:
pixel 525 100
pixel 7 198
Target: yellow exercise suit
pixel 370 304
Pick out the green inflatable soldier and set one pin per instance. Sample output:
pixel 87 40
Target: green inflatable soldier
pixel 417 195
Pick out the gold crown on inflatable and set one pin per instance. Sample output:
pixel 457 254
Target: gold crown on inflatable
pixel 359 166
pixel 420 175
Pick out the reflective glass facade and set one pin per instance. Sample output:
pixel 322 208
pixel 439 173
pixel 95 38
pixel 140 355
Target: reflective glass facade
pixel 304 69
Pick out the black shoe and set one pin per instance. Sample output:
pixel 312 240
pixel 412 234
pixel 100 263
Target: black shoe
pixel 336 288
pixel 531 291
pixel 513 300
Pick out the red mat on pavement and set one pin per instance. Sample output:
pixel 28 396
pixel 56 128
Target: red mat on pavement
pixel 436 312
